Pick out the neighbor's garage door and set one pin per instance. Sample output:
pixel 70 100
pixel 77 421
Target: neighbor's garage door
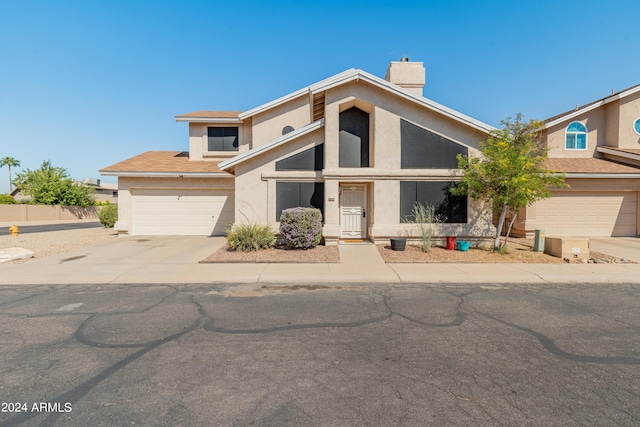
pixel 181 212
pixel 588 214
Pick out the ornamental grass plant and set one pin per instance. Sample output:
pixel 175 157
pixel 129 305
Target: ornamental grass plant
pixel 250 237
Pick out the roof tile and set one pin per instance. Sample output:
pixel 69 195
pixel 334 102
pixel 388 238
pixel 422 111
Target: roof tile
pixel 589 165
pixel 164 161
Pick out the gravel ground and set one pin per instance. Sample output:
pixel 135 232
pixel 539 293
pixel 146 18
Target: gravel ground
pixel 54 242
pixel 317 254
pixel 520 250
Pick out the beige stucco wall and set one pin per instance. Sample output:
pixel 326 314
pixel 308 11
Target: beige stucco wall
pixel 268 125
pixel 256 178
pixel 23 213
pixel 629 113
pixel 127 186
pixel 594 120
pixel 385 112
pixel 198 138
pixel 610 124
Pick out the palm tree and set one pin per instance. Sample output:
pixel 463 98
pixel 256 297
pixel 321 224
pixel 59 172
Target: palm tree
pixel 9 161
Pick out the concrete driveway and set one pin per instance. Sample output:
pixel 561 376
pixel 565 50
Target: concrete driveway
pixel 621 247
pixel 174 259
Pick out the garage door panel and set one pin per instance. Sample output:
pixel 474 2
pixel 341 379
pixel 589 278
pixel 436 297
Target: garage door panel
pixel 181 212
pixel 588 214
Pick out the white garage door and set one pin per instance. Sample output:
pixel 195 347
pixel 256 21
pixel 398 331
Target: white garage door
pixel 588 214
pixel 181 212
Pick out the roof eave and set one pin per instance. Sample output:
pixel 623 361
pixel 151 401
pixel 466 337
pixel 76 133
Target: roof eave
pixel 132 174
pixel 602 175
pixel 207 119
pixel 618 153
pixel 579 111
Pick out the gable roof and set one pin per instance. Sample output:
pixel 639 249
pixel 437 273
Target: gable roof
pixel 229 163
pixel 354 74
pixel 165 164
pixel 568 115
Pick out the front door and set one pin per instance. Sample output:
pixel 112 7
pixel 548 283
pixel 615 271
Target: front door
pixel 353 216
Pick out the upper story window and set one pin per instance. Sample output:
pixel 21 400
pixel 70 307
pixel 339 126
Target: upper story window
pixel 353 150
pixel 422 149
pixel 576 138
pixel 222 139
pixel 636 126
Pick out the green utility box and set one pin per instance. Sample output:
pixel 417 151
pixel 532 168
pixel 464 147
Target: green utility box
pixel 538 244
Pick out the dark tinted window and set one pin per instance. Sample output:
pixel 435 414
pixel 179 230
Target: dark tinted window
pixel 222 139
pixel 354 139
pixel 450 208
pixel 308 160
pixel 294 194
pixel 421 149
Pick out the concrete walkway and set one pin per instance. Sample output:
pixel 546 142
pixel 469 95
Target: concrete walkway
pixel 174 259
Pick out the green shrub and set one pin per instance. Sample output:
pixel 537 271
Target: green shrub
pixel 250 237
pixel 301 228
pixel 7 199
pixel 108 215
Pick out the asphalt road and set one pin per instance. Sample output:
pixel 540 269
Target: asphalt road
pixel 326 355
pixel 24 229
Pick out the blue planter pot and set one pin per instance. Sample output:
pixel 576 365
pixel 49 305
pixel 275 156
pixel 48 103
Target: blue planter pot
pixel 463 246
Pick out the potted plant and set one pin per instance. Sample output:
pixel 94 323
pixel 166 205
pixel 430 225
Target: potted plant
pixel 398 243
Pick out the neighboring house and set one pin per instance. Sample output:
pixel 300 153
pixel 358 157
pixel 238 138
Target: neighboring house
pixel 598 147
pixel 360 148
pixel 104 191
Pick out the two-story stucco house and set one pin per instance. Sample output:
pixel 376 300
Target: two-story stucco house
pixel 598 147
pixel 361 148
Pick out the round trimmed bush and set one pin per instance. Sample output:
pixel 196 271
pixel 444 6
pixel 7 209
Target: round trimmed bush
pixel 301 227
pixel 108 215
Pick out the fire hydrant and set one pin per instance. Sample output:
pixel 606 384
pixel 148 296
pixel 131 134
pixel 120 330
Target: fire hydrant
pixel 14 230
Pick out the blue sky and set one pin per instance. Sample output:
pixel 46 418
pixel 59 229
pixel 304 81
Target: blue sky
pixel 86 84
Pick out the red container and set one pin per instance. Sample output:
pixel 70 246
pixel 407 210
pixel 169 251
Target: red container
pixel 451 243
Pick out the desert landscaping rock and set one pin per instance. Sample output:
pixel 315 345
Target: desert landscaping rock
pixel 54 242
pixel 11 254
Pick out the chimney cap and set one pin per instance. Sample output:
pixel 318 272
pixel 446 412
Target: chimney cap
pixel 404 59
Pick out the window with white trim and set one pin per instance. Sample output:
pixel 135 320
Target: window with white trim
pixel 576 137
pixel 636 126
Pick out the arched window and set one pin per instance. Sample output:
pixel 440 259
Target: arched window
pixel 576 137
pixel 636 126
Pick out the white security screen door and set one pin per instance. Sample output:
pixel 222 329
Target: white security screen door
pixel 353 201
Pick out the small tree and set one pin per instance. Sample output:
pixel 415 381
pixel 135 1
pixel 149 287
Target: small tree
pixel 9 161
pixel 51 185
pixel 511 172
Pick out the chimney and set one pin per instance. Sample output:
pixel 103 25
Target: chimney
pixel 408 75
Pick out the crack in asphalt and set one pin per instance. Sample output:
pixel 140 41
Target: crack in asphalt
pixel 207 323
pixel 552 348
